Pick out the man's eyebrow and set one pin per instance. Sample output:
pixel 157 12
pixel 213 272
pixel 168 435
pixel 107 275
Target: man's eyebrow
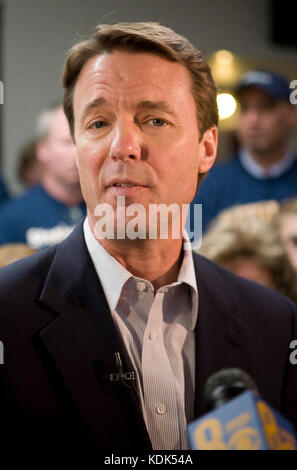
pixel 146 104
pixel 91 105
pixel 156 105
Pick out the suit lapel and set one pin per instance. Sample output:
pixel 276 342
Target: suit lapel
pixel 221 336
pixel 82 341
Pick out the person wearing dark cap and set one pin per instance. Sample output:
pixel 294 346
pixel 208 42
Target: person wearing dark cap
pixel 264 167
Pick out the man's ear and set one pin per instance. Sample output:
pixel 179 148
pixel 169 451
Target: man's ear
pixel 208 149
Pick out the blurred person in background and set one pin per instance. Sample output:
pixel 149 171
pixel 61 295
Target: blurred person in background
pixel 286 224
pixel 242 240
pixel 29 168
pixel 264 167
pixel 48 212
pixel 12 252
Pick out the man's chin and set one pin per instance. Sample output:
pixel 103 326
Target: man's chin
pixel 259 148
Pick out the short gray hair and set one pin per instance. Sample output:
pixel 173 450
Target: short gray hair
pixel 45 119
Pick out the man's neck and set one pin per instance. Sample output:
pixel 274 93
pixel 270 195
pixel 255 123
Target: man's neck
pixel 157 261
pixel 69 195
pixel 267 159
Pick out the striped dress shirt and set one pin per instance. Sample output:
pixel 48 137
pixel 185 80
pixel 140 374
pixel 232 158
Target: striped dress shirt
pixel 158 331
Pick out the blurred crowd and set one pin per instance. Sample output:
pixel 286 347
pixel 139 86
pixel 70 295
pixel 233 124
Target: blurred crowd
pixel 249 202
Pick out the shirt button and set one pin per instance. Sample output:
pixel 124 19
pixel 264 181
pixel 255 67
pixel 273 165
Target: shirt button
pixel 152 335
pixel 161 409
pixel 140 286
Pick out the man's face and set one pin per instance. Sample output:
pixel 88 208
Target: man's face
pixel 57 152
pixel 263 122
pixel 136 124
pixel 288 234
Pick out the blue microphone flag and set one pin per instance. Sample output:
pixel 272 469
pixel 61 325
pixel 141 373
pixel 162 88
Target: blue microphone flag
pixel 244 423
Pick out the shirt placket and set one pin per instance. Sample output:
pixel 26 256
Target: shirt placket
pixel 158 383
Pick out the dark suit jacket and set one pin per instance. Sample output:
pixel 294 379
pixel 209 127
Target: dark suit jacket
pixel 59 344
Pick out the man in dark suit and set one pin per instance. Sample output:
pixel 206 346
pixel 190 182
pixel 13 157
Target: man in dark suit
pixel 109 338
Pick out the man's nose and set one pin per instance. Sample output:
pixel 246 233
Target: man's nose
pixel 127 142
pixel 253 116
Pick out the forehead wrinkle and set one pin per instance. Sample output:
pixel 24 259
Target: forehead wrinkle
pixel 142 105
pixel 96 103
pixel 109 77
pixel 155 105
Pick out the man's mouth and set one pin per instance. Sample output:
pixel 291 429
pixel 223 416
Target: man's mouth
pixel 115 183
pixel 125 185
pixel 125 188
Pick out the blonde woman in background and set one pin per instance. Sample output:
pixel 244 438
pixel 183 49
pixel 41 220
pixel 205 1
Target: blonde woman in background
pixel 242 239
pixel 285 222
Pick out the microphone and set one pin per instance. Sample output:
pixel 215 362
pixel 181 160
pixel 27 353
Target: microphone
pixel 237 418
pixel 120 376
pixel 109 380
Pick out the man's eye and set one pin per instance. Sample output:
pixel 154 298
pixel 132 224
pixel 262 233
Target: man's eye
pixel 158 122
pixel 98 124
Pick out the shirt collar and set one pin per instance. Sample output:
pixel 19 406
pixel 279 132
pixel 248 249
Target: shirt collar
pixel 274 171
pixel 107 268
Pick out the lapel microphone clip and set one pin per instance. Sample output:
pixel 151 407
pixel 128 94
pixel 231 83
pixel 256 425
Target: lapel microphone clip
pixel 121 376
